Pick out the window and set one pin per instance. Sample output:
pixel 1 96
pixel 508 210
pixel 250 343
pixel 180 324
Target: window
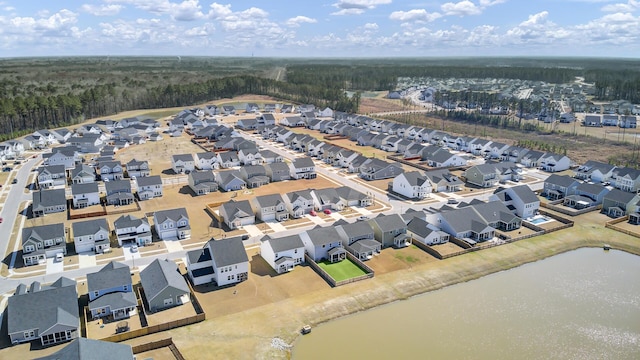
pixel 168 302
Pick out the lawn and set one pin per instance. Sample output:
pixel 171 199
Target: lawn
pixel 342 270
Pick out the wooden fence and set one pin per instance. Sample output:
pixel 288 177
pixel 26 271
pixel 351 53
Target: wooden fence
pixel 137 349
pixel 568 211
pixel 433 252
pixel 331 280
pixel 611 224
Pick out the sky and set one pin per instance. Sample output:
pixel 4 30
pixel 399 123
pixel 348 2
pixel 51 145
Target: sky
pixel 321 28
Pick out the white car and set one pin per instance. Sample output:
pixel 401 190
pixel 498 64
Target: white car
pixel 134 248
pixel 59 257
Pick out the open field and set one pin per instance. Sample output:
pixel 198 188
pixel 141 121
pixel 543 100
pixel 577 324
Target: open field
pixel 342 270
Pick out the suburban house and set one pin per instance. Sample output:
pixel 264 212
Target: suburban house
pixel 149 187
pixel 137 169
pixel 52 175
pixel 88 143
pixel 111 170
pixel 358 238
pixel 163 285
pixel 555 162
pixel 300 202
pixel 67 156
pixel 172 224
pixel 283 253
pixel 130 229
pixel 519 199
pixel 223 262
pixel 110 292
pixel 48 202
pixel 594 171
pixel 468 224
pixel 377 169
pixel 270 207
pixel 617 203
pixel 230 180
pixel 585 195
pixel 237 213
pixel 412 185
pixel 85 195
pixel 182 164
pixel 83 174
pixel 202 182
pixel 557 186
pixel 490 174
pixel 119 192
pixel 250 156
pixel 329 199
pixel 442 180
pixel 323 243
pixel 91 235
pixel 83 348
pixel 626 179
pixel 278 171
pixel 254 175
pixel 48 313
pixel 228 159
pixel 303 168
pixel 42 242
pixel 420 230
pixel 353 197
pixel 206 160
pixel 390 230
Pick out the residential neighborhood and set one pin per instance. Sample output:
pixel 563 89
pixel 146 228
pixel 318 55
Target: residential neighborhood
pixel 156 229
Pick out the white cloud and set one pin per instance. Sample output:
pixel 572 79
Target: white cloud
pixel 630 6
pixel 219 11
pixel 296 21
pixel 101 10
pixel 371 26
pixel 487 3
pixel 461 8
pixel 414 15
pixel 187 10
pixel 535 19
pixel 357 7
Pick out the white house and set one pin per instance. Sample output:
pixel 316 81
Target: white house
pixel 222 261
pixel 172 224
pixel 412 185
pixel 130 229
pixel 182 163
pixel 283 253
pixel 521 199
pixel 91 235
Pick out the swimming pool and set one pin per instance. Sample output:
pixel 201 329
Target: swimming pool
pixel 539 219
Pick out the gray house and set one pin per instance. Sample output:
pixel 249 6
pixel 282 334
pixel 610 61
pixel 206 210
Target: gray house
pixel 149 187
pixel 45 313
pixel 91 235
pixel 390 230
pixel 230 180
pixel 617 203
pixel 270 207
pixel 83 174
pixel 359 239
pixel 49 201
pixel 110 292
pixel 119 192
pixel 42 242
pixel 377 169
pixel 237 213
pixel 163 285
pixel 202 182
pixel 52 175
pixel 278 171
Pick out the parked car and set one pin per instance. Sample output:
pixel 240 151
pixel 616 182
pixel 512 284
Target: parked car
pixel 313 213
pixel 134 248
pixel 452 201
pixel 6 169
pixel 1 220
pixel 14 181
pixel 363 217
pixel 327 211
pixel 59 257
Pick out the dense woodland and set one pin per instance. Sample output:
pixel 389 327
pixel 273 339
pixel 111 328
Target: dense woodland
pixel 52 92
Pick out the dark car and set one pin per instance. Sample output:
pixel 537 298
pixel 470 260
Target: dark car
pixel 6 169
pixel 14 181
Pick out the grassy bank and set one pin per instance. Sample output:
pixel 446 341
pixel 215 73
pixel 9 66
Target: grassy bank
pixel 248 334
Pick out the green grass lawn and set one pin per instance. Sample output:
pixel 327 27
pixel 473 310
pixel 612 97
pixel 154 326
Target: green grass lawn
pixel 342 270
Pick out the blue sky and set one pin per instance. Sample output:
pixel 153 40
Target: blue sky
pixel 321 28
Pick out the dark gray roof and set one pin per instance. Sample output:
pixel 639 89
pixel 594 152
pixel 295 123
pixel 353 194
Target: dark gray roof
pixel 42 309
pixel 77 189
pixel 206 155
pixel 88 349
pixel 52 169
pixel 89 227
pixel 126 221
pixel 159 275
pixel 619 196
pixel 625 171
pixel 183 157
pixel 561 180
pixel 349 193
pixel 269 200
pixel 149 180
pixel 254 170
pixel 173 214
pixel 525 193
pixel 112 275
pixel 200 255
pixel 278 167
pixel 587 188
pixel 419 227
pixel 46 198
pixel 200 176
pixel 284 243
pixel 389 222
pixel 365 245
pixel 228 251
pixel 323 235
pixel 356 229
pixel 327 196
pixel 232 207
pixel 303 162
pixel 43 232
pixel 414 178
pixel 116 186
pixel 115 300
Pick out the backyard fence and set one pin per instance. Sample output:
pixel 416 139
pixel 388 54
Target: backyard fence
pixel 153 345
pixel 611 224
pixel 331 280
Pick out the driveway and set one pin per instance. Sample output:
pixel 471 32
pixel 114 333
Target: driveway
pixel 54 266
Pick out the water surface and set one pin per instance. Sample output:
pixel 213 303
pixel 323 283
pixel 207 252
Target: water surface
pixel 584 304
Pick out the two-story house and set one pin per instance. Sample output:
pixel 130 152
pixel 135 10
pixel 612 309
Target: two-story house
pixel 282 253
pixel 85 195
pixel 222 262
pixel 390 230
pixel 236 214
pixel 52 175
pixel 521 199
pixel 48 202
pixel 206 160
pixel 111 170
pixel 182 163
pixel 163 285
pixel 119 192
pixel 270 207
pixel 422 231
pixel 130 229
pixel 358 238
pixel 412 185
pixel 230 180
pixel 83 174
pixel 278 171
pixel 91 236
pixel 323 243
pixel 111 292
pixel 558 186
pixel 149 187
pixel 138 168
pixel 300 202
pixel 202 182
pixel 42 242
pixel 172 224
pixel 303 168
